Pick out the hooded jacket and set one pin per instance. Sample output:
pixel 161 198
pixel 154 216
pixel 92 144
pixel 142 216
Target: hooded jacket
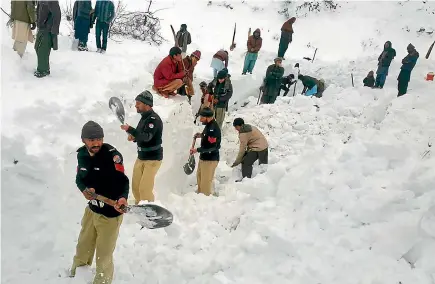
pixel 387 55
pixel 251 139
pixel 254 44
pixel 408 63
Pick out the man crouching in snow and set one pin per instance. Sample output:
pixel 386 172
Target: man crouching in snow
pixel 148 136
pixel 253 146
pixel 100 170
pixel 169 74
pixel 209 151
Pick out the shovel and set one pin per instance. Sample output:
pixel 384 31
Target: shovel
pixel 189 167
pixel 151 216
pixel 117 108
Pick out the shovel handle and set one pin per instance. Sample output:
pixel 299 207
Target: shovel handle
pixel 108 201
pixel 193 143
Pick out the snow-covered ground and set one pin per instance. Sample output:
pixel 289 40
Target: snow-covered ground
pixel 348 195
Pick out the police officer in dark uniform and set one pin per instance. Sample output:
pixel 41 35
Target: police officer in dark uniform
pixel 209 151
pixel 148 136
pixel 100 170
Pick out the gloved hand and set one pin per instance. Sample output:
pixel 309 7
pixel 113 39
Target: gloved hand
pixel 33 26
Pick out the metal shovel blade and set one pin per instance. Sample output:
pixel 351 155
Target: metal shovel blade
pixel 117 107
pixel 151 216
pixel 189 167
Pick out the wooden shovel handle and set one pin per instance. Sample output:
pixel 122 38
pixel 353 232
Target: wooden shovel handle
pixel 108 201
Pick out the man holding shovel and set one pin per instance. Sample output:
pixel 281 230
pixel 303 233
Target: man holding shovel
pixel 100 170
pixel 209 151
pixel 148 136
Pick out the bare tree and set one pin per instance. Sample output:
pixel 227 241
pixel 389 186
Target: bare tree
pixel 67 12
pixel 143 26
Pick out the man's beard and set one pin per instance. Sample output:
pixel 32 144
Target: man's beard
pixel 94 149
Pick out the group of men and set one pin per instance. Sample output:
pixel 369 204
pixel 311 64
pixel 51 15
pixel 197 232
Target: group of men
pixel 384 62
pixel 100 170
pixel 47 17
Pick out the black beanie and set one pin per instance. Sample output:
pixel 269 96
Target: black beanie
pixel 206 112
pixel 145 97
pixel 92 130
pixel 222 74
pixel 238 122
pixel 174 51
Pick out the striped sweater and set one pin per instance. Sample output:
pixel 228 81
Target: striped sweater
pixel 104 11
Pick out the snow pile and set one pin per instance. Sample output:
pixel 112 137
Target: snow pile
pixel 347 196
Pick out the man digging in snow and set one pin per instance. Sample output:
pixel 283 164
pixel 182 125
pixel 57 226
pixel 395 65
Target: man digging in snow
pixel 222 90
pixel 23 16
pixel 148 136
pixel 100 170
pixel 254 45
pixel 253 146
pixel 48 21
pixel 169 74
pixel 209 151
pixel 183 39
pixel 272 82
pixel 408 64
pixel 219 61
pixel 189 63
pixel 312 86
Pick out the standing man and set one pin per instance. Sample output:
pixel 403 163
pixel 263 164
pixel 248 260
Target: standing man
pixel 82 17
pixel 254 45
pixel 272 82
pixel 99 171
pixel 48 21
pixel 286 37
pixel 408 64
pixel 253 146
pixel 169 74
pixel 222 90
pixel 384 61
pixel 209 151
pixel 23 15
pixel 148 136
pixel 104 14
pixel 183 39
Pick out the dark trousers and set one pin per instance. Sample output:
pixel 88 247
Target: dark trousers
pixel 101 28
pixel 283 43
pixel 403 80
pixel 81 30
pixel 250 158
pixel 43 45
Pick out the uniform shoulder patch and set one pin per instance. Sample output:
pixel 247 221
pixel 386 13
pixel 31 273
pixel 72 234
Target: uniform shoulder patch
pixel 117 159
pixel 150 125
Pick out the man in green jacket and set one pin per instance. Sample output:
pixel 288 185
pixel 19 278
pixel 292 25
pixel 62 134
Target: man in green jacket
pixel 272 82
pixel 48 21
pixel 23 16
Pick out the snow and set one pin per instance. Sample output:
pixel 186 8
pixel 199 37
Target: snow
pixel 347 197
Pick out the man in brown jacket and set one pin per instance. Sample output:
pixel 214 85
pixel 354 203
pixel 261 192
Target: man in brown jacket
pixel 189 63
pixel 23 16
pixel 219 61
pixel 254 45
pixel 286 37
pixel 253 146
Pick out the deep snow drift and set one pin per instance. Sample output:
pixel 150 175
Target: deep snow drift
pixel 348 195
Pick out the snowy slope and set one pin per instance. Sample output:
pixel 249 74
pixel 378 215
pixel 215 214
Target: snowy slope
pixel 347 197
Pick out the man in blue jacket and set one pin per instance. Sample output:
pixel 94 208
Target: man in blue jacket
pixel 104 14
pixel 408 64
